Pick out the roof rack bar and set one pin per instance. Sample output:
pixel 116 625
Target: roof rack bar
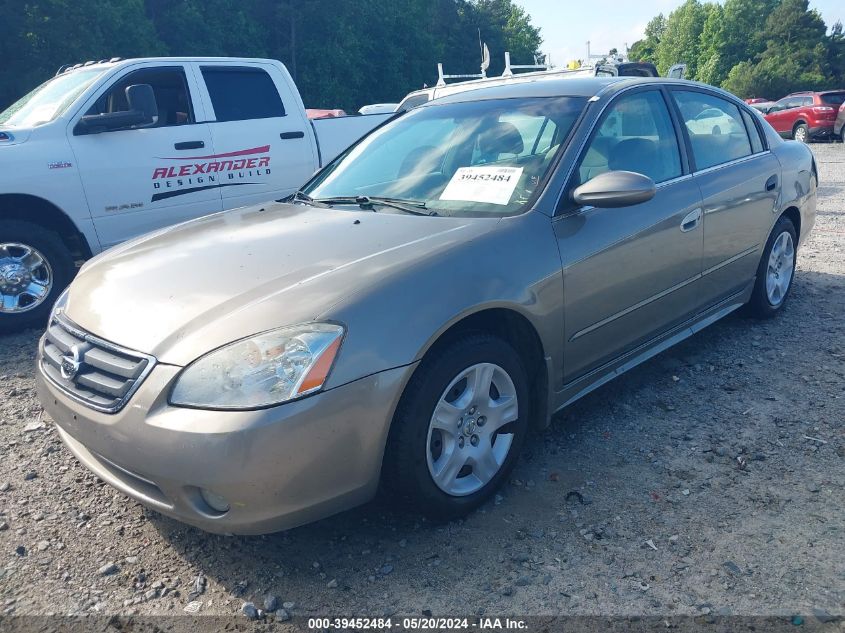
pixel 510 67
pixel 441 78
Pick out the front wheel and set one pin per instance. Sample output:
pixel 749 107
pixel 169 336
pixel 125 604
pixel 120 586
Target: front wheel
pixel 459 427
pixel 35 266
pixel 775 272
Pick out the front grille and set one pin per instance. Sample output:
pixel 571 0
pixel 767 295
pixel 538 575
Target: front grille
pixel 93 371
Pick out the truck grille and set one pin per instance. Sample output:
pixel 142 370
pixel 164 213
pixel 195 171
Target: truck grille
pixel 90 370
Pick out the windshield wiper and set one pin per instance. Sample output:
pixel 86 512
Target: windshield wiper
pixel 414 207
pixel 301 196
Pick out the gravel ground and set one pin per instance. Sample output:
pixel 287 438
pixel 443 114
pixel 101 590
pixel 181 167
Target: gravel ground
pixel 709 480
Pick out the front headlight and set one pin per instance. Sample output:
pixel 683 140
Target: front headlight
pixel 262 370
pixel 59 306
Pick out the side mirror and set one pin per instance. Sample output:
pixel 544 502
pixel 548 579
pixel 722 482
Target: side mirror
pixel 142 99
pixel 615 189
pixel 142 112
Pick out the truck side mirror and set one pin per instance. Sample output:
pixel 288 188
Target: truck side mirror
pixel 142 99
pixel 142 112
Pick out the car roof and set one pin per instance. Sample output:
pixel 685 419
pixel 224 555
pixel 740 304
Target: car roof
pixel 119 62
pixel 551 86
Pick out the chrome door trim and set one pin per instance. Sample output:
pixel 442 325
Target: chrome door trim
pixel 736 161
pixel 730 260
pixel 636 306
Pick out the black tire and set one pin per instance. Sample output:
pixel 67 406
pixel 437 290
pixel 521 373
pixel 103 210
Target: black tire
pixel 759 306
pixel 801 133
pixel 57 256
pixel 405 473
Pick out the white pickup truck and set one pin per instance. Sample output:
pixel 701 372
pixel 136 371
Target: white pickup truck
pixel 106 151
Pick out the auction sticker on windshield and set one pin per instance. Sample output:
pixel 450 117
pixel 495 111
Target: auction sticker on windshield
pixel 493 185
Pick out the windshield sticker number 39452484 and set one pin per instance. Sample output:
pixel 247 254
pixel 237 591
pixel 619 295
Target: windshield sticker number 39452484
pixel 493 185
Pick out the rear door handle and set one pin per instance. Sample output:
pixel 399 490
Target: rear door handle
pixel 190 145
pixel 691 220
pixel 289 135
pixel 772 183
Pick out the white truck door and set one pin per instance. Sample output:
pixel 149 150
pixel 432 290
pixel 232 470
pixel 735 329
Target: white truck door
pixel 138 180
pixel 259 129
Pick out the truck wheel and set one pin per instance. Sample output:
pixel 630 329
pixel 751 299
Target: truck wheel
pixel 35 266
pixel 801 133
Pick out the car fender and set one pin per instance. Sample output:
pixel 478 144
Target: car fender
pixel 396 321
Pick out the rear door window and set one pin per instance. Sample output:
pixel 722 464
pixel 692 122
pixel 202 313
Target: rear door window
pixel 636 134
pixel 715 126
pixel 242 93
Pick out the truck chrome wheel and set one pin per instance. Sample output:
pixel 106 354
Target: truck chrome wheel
pixel 780 269
pixel 468 441
pixel 25 278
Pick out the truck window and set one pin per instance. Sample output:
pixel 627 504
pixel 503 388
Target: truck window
pixel 239 94
pixel 170 89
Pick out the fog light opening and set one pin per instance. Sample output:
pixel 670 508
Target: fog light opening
pixel 215 501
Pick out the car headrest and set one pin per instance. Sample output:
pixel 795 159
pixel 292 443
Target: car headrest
pixel 640 155
pixel 501 138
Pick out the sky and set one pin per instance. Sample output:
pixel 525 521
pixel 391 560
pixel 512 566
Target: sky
pixel 567 25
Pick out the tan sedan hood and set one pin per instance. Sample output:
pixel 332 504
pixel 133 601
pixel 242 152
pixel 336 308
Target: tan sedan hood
pixel 181 292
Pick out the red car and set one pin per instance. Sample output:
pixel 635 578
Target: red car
pixel 806 115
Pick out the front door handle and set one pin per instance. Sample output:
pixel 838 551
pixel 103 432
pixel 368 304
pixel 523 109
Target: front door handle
pixel 691 220
pixel 289 135
pixel 772 183
pixel 190 145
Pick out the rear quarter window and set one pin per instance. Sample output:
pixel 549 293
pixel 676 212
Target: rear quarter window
pixel 240 94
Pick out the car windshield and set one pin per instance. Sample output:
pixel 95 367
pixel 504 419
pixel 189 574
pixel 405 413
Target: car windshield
pixel 477 158
pixel 50 99
pixel 833 98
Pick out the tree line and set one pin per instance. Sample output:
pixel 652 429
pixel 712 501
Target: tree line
pixel 753 48
pixel 342 53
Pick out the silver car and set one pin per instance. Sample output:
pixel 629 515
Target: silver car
pixel 443 287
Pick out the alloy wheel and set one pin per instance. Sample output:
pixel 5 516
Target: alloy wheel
pixel 468 436
pixel 780 269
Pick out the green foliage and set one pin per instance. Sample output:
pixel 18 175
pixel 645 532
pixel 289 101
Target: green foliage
pixel 40 37
pixel 681 42
pixel 645 50
pixel 754 48
pixel 342 53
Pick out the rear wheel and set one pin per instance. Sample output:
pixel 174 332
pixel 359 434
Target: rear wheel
pixel 459 427
pixel 801 133
pixel 775 272
pixel 35 266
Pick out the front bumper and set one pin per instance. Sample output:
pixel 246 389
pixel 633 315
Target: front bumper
pixel 278 467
